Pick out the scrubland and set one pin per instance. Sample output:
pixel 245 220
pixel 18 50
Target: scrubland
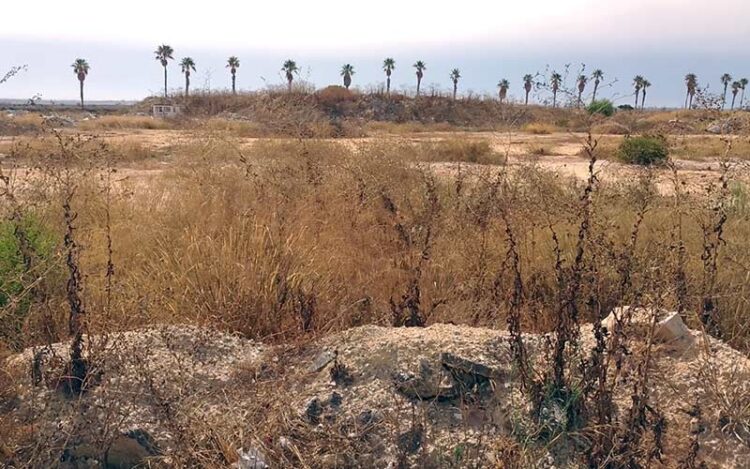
pixel 285 225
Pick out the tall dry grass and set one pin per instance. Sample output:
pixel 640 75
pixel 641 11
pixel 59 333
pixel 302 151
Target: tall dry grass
pixel 284 240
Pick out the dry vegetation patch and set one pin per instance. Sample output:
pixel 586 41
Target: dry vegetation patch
pixel 290 240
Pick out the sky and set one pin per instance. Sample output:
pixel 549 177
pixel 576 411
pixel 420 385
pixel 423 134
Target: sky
pixel 486 39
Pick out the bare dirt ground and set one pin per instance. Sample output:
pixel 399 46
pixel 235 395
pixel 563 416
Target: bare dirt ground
pixel 560 152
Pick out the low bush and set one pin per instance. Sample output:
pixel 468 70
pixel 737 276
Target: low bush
pixel 601 106
pixel 644 150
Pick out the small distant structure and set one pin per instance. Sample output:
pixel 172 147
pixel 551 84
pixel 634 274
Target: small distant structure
pixel 166 110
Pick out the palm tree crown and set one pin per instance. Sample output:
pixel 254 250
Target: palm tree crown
pixel 455 76
pixel 528 83
pixel 233 63
pixel 421 67
pixel 582 81
pixel 163 54
pixel 389 65
pixel 598 76
pixel 290 68
pixel 347 71
pixel 187 64
pixel 743 85
pixel 691 83
pixel 726 79
pixel 736 87
pixel 503 84
pixel 555 81
pixel 637 84
pixel 81 68
pixel 645 84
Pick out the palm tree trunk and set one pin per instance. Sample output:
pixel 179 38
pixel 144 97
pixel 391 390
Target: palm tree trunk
pixel 724 99
pixel 388 86
pixel 742 98
pixel 290 85
pixel 734 97
pixel 234 81
pixel 187 85
pixel 419 82
pixel 687 95
pixel 596 87
pixel 526 103
pixel 554 99
pixel 643 100
pixel 165 82
pixel 455 90
pixel 81 84
pixel 636 99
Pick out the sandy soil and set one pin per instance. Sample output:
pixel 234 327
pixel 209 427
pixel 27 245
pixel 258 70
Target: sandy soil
pixel 562 154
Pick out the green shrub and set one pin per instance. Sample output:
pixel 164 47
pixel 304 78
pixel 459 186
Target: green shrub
pixel 601 106
pixel 645 150
pixel 42 243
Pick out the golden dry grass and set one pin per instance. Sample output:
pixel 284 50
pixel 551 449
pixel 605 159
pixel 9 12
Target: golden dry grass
pixel 216 240
pixel 117 122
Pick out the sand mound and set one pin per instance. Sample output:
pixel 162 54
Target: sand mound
pixel 441 396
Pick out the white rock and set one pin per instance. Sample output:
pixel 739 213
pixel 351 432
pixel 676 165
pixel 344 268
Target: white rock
pixel 668 328
pixel 671 328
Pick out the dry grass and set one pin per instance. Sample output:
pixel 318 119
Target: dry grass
pixel 709 148
pixel 117 122
pixel 539 128
pixel 178 235
pixel 286 240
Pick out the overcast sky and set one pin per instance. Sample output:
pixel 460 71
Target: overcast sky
pixel 487 40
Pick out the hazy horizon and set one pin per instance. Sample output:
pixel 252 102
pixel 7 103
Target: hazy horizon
pixel 661 40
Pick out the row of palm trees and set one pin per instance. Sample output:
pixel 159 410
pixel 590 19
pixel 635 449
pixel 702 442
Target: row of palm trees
pixel 164 53
pixel 737 86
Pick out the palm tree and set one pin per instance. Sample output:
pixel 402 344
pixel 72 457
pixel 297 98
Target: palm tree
pixel 455 76
pixel 163 55
pixel 645 84
pixel 582 80
pixel 290 68
pixel 638 84
pixel 503 85
pixel 528 82
pixel 743 85
pixel 347 71
pixel 736 87
pixel 555 81
pixel 421 67
pixel 81 69
pixel 233 63
pixel 598 76
pixel 187 64
pixel 691 83
pixel 388 65
pixel 725 80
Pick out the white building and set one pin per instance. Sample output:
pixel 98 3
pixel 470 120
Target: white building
pixel 165 110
